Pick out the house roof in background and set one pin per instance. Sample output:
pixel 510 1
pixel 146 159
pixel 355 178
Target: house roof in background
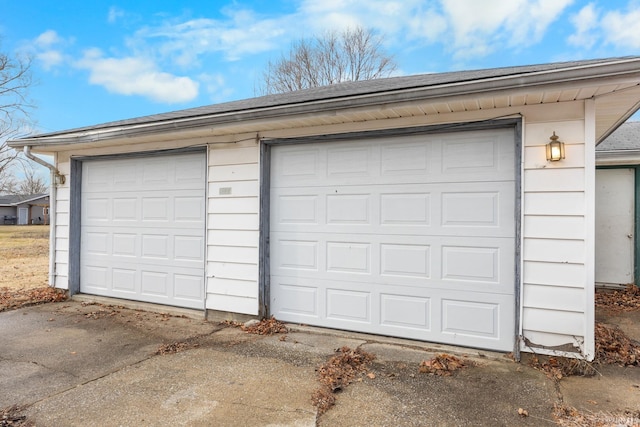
pixel 626 137
pixel 15 200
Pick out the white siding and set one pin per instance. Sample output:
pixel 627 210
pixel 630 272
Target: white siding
pixel 555 239
pixel 61 267
pixel 233 224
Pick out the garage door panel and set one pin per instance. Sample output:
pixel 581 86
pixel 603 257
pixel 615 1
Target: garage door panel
pixel 407 236
pixel 446 262
pixel 470 209
pixel 440 315
pixel 142 229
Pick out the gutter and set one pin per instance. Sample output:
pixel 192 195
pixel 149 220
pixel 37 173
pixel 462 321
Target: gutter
pixel 56 178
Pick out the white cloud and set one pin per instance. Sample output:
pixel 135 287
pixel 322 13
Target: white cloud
pixel 137 76
pixel 243 33
pixel 114 14
pixel 586 23
pixel 479 28
pixel 47 39
pixel 622 29
pixel 47 48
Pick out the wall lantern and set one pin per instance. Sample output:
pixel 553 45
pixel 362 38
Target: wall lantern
pixel 555 149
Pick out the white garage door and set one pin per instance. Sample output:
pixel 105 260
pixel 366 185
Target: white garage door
pixel 407 236
pixel 142 229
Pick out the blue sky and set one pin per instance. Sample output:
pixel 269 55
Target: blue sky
pixel 97 61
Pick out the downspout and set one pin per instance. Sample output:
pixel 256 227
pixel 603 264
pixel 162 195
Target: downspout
pixel 56 178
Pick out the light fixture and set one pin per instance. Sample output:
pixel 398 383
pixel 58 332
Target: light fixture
pixel 555 149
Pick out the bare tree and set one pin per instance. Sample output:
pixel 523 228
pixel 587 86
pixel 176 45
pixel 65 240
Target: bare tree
pixel 15 80
pixel 334 57
pixel 32 183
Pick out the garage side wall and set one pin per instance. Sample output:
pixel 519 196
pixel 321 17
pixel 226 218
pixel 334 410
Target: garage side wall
pixel 555 249
pixel 63 207
pixel 233 228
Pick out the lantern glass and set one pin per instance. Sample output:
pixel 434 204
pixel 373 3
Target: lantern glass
pixel 555 149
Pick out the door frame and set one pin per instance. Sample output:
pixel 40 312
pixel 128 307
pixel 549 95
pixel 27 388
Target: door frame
pixel 75 207
pixel 264 278
pixel 636 217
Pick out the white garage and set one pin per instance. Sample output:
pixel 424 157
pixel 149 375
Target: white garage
pixel 142 229
pixel 408 236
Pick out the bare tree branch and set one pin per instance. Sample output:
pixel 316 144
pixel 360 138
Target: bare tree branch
pixel 354 54
pixel 15 81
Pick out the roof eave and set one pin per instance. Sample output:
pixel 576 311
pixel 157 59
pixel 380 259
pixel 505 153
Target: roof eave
pixel 607 72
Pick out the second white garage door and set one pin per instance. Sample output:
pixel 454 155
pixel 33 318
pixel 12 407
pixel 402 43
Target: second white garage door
pixel 408 236
pixel 142 229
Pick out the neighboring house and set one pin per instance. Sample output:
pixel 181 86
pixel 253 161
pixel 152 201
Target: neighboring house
pixel 421 207
pixel 24 210
pixel 617 210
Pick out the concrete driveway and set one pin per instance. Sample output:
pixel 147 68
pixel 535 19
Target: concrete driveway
pixel 79 364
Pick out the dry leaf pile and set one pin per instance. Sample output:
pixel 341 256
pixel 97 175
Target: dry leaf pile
pixel 568 416
pixel 443 365
pixel 337 373
pixel 12 416
pixel 266 327
pixel 624 300
pixel 175 347
pixel 11 299
pixel 559 367
pixel 614 347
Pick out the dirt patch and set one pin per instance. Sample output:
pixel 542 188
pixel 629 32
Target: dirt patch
pixel 337 373
pixel 618 301
pixel 25 256
pixel 11 299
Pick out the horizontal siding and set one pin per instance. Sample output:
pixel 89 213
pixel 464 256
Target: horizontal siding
pixel 557 321
pixel 231 221
pixel 560 227
pixel 554 250
pixel 558 274
pixel 554 180
pixel 236 205
pixel 233 304
pixel 235 254
pixel 63 193
pixel 233 238
pixel 554 234
pixel 233 229
pixel 554 298
pixel 557 203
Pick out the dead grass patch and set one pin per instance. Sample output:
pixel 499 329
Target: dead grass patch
pixel 337 373
pixel 25 254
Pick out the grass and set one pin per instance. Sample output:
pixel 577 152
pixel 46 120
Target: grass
pixel 24 250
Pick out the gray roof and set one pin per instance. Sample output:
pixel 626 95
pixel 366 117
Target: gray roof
pixel 343 91
pixel 626 137
pixel 14 200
